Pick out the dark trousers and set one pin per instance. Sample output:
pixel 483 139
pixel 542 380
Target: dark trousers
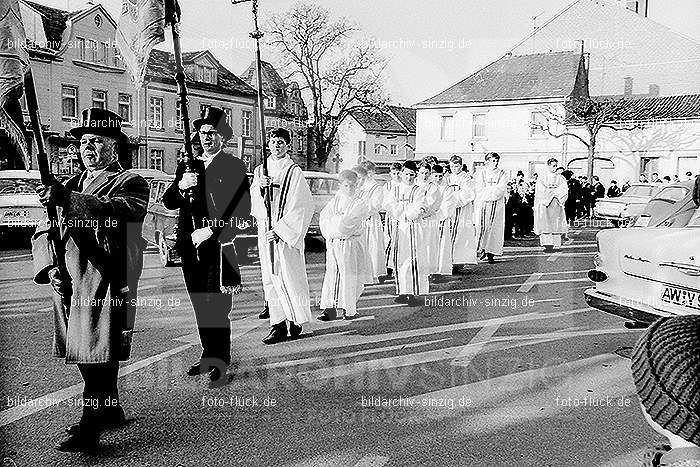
pixel 100 393
pixel 211 307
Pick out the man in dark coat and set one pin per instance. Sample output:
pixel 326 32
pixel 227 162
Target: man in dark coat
pixel 101 213
pixel 213 199
pixel 573 201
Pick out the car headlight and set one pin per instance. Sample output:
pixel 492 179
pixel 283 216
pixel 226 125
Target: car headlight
pixel 598 260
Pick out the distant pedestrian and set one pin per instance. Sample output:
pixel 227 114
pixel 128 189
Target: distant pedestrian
pixel 614 190
pixel 666 372
pixel 688 176
pixel 655 178
pixel 571 205
pixel 550 197
pixel 625 186
pixel 666 179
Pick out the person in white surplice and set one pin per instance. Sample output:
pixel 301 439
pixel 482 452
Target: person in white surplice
pixel 429 222
pixel 391 190
pixel 342 225
pixel 373 194
pixel 491 184
pixel 410 265
pixel 463 234
pixel 287 293
pixel 551 192
pixel 444 220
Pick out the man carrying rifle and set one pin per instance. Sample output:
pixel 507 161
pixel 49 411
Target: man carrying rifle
pixel 100 217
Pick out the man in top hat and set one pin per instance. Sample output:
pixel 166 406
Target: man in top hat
pixel 213 198
pixel 101 213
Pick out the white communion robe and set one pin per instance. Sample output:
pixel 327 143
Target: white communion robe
pixel 391 192
pixel 411 267
pixel 342 224
pixel 490 209
pixel 551 192
pixel 429 223
pixel 292 208
pixel 463 232
pixel 373 195
pixel 444 218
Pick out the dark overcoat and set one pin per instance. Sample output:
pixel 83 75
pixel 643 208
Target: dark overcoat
pixel 100 228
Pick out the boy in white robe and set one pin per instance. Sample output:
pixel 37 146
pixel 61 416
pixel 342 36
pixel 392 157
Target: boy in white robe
pixel 491 185
pixel 463 232
pixel 429 222
pixel 287 294
pixel 444 218
pixel 373 194
pixel 390 192
pixel 551 192
pixel 410 266
pixel 342 225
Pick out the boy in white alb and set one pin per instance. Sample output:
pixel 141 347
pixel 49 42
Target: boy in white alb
pixel 551 192
pixel 428 221
pixel 342 225
pixel 391 191
pixel 491 184
pixel 444 219
pixel 292 208
pixel 373 194
pixel 463 233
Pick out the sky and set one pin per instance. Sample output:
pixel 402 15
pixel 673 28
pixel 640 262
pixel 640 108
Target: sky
pixel 429 44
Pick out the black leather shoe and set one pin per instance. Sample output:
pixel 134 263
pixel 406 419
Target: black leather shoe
pixel 348 317
pixel 489 258
pixel 195 369
pixel 401 299
pixel 278 333
pixel 413 301
pixel 111 419
pixel 294 330
pixel 329 314
pixel 84 439
pixel 265 313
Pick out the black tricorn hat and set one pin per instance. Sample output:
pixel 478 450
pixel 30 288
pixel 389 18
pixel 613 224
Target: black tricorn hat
pixel 215 117
pixel 100 122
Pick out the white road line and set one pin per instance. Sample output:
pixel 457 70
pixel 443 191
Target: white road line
pixel 24 255
pixel 554 256
pixel 476 344
pixel 372 461
pixel 529 282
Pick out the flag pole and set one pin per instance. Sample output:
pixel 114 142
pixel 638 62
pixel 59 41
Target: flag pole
pixel 257 34
pixel 47 178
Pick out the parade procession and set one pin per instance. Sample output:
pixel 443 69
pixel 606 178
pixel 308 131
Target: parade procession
pixel 202 267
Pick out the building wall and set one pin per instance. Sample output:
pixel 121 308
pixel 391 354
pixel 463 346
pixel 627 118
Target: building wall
pixel 507 132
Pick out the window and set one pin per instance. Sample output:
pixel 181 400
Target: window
pixel 447 128
pixel 205 74
pixel 203 108
pixel 125 107
pixel 156 161
pixel 246 117
pixel 300 141
pixel 80 45
pixel 229 117
pixel 538 124
pixel 294 108
pixel 69 97
pixel 92 50
pixel 479 126
pixel 156 113
pixel 117 60
pixel 178 116
pixel 270 102
pixel 392 149
pixel 362 148
pixel 379 149
pixel 99 99
pixel 102 57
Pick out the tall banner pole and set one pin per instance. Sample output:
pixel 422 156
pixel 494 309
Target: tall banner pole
pixel 257 34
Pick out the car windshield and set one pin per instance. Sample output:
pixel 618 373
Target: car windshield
pixel 695 220
pixel 673 193
pixel 18 186
pixel 640 191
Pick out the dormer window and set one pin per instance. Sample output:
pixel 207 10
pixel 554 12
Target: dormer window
pixel 270 102
pixel 205 74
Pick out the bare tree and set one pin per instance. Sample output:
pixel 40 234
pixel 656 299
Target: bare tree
pixel 337 71
pixel 593 114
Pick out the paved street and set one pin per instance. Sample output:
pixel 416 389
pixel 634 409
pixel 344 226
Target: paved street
pixel 505 365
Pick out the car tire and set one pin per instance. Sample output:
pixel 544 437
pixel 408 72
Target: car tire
pixel 164 252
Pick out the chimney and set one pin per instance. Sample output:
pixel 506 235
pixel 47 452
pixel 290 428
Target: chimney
pixel 653 90
pixel 628 86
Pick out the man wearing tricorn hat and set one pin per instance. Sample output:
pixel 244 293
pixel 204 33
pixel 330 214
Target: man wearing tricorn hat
pixel 213 199
pixel 101 213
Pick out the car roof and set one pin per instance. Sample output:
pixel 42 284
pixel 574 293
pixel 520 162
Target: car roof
pixel 151 173
pixel 32 174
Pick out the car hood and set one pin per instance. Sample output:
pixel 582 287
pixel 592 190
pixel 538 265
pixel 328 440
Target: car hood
pixel 22 200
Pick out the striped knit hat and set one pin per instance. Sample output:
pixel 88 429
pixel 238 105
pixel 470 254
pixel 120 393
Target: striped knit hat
pixel 666 371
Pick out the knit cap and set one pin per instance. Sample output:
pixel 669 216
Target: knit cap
pixel 666 372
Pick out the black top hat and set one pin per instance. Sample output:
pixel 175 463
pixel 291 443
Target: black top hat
pixel 215 117
pixel 100 122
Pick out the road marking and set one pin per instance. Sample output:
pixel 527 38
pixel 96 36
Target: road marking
pixel 372 461
pixel 24 255
pixel 476 344
pixel 554 256
pixel 530 282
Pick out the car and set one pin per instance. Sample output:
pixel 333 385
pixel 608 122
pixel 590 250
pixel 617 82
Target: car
pixel 20 208
pixel 673 206
pixel 645 273
pixel 623 209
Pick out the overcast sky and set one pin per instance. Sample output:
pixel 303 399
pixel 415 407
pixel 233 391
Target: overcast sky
pixel 430 44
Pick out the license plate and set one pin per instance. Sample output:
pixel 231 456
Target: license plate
pixel 16 215
pixel 682 297
pixel 642 221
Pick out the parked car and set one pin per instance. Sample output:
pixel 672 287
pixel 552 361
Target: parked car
pixel 673 206
pixel 20 208
pixel 644 273
pixel 623 209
